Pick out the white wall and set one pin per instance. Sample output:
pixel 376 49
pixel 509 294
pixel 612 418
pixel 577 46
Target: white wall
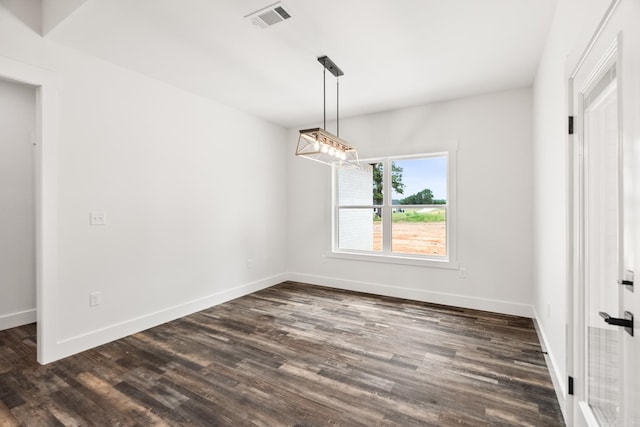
pixel 192 189
pixel 494 184
pixel 574 22
pixel 17 221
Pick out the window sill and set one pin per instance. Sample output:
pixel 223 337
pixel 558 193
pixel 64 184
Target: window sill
pixel 395 259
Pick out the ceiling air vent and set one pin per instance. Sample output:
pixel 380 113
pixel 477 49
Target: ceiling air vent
pixel 269 15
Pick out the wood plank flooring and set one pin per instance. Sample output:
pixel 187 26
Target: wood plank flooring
pixel 292 355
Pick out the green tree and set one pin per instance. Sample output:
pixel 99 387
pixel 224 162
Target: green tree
pixel 396 181
pixel 424 197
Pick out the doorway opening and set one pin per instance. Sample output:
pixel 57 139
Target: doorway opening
pixel 18 123
pixel 45 84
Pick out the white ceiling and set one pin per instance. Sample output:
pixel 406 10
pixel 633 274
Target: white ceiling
pixel 393 53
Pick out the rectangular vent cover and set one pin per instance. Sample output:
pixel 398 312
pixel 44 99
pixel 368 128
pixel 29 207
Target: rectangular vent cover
pixel 280 11
pixel 268 16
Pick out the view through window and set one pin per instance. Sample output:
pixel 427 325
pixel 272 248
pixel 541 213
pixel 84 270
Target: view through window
pixel 393 206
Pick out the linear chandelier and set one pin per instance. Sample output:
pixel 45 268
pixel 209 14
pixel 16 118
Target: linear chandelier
pixel 319 145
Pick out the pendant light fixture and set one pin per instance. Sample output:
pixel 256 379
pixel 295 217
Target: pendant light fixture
pixel 319 145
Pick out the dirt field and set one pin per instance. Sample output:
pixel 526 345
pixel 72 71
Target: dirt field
pixel 428 238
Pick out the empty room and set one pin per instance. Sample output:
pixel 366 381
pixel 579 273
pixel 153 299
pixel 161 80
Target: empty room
pixel 305 213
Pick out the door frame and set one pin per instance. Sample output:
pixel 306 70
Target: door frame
pixel 46 85
pixel 575 231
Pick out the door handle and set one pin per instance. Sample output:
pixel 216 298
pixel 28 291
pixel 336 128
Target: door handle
pixel 625 282
pixel 626 322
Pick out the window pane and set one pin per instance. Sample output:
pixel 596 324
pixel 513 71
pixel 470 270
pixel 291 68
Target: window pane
pixel 419 231
pixel 354 185
pixel 360 229
pixel 419 181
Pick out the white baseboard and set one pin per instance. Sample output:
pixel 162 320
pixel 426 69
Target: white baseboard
pixel 76 344
pixel 496 306
pixel 69 346
pixel 20 318
pixel 557 378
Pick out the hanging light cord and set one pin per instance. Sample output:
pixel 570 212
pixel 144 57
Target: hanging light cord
pixel 338 106
pixel 324 99
pixel 324 95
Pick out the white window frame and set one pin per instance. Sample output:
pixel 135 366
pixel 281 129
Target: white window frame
pixel 386 256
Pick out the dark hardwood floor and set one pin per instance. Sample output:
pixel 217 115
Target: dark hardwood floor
pixel 292 355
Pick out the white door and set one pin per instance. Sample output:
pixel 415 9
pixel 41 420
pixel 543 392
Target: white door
pixel 605 349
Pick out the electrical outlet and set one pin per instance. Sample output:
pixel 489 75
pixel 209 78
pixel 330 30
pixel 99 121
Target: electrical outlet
pixel 98 218
pixel 462 272
pixel 94 299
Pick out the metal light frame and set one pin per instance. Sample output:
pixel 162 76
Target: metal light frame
pixel 319 145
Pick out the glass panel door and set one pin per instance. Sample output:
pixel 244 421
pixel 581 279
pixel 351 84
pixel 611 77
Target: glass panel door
pixel 601 139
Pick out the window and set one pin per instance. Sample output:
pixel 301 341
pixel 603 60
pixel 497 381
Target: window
pixel 396 209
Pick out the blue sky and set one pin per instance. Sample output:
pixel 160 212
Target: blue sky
pixel 418 174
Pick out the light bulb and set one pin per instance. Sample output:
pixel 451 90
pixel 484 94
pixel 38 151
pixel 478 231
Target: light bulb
pixel 332 151
pixel 324 148
pixel 316 145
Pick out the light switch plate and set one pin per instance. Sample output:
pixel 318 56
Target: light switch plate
pixel 98 218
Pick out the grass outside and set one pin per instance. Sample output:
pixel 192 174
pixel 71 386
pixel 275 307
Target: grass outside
pixel 436 215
